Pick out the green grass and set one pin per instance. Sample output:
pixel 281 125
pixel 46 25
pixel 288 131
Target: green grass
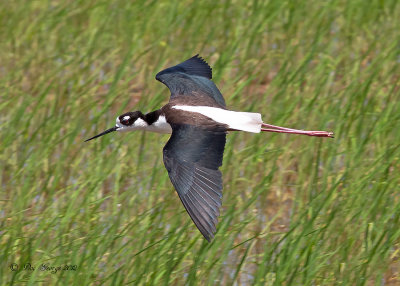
pixel 296 210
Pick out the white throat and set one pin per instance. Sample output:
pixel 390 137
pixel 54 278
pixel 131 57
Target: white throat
pixel 159 126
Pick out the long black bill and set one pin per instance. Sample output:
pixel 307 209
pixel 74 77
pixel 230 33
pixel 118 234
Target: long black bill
pixel 103 133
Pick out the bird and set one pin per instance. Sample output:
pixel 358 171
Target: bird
pixel 198 121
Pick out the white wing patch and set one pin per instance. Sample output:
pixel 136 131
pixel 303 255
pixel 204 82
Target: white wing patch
pixel 244 121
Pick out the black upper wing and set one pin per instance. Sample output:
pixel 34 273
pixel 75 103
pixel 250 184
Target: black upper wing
pixel 192 157
pixel 190 77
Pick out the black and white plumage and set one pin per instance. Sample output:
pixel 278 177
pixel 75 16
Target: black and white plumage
pixel 197 117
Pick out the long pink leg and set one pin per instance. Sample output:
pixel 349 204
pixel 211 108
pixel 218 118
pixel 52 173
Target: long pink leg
pixel 278 129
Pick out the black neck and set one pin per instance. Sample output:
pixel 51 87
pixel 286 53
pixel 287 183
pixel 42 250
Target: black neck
pixel 152 117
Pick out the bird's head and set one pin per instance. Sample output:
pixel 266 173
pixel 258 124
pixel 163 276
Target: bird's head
pixel 129 121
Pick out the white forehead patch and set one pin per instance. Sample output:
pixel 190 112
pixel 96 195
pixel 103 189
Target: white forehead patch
pixel 126 117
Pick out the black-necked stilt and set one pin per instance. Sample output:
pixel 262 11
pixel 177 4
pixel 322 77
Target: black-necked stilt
pixel 198 120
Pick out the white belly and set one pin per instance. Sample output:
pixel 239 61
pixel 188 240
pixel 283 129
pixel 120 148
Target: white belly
pixel 244 121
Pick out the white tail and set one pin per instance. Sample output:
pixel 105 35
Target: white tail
pixel 244 121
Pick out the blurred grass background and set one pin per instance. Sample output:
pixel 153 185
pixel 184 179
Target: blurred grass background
pixel 296 210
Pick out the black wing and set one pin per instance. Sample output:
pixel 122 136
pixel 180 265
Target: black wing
pixel 192 157
pixel 191 77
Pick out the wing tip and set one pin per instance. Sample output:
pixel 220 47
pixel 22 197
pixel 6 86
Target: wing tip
pixel 195 65
pixel 205 221
pixel 209 238
pixel 202 61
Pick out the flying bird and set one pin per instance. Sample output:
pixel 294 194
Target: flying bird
pixel 198 121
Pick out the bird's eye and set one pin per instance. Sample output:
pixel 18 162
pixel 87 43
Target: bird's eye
pixel 127 120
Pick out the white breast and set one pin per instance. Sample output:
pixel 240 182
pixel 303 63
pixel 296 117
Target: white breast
pixel 245 121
